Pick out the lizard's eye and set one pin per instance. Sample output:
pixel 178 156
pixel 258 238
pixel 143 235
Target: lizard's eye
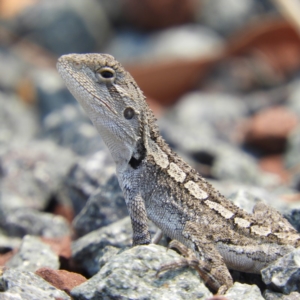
pixel 129 113
pixel 106 74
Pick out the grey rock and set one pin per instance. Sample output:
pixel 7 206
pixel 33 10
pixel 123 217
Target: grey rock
pixel 69 127
pixel 13 70
pixel 24 285
pixel 244 199
pixel 284 274
pixel 132 275
pixel 31 173
pixel 232 163
pixel 293 216
pixel 244 291
pixel 85 177
pixel 8 243
pixel 201 113
pixel 85 25
pixel 106 206
pixel 294 96
pixel 89 249
pixel 270 295
pixel 32 255
pixel 292 158
pixel 19 222
pixel 12 127
pixel 166 44
pixel 225 16
pixel 52 94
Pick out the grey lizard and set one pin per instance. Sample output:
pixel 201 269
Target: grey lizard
pixel 157 184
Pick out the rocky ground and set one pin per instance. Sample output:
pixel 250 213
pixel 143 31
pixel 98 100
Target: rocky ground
pixel 64 227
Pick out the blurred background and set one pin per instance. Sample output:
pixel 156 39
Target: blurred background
pixel 223 78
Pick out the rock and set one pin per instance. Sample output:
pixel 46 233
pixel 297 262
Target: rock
pixel 284 274
pixel 275 164
pixel 93 250
pixel 61 246
pixel 294 96
pixel 61 279
pixel 157 15
pixel 293 216
pixel 13 70
pixel 9 243
pixel 270 295
pixel 12 127
pixel 226 16
pixel 23 221
pixel 199 114
pixel 132 275
pixel 27 285
pixel 269 129
pixel 69 127
pixel 85 178
pixel 88 250
pixel 244 291
pixel 52 94
pixel 31 178
pixel 291 157
pixel 199 42
pixel 103 208
pixel 86 27
pixel 32 255
pixel 236 165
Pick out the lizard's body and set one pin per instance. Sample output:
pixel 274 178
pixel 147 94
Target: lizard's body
pixel 159 185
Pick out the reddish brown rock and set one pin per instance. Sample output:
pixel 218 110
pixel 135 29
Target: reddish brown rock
pixel 274 164
pixel 149 14
pixel 268 129
pixel 61 246
pixel 65 211
pixel 61 279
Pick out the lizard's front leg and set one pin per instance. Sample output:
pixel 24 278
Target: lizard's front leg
pixel 139 220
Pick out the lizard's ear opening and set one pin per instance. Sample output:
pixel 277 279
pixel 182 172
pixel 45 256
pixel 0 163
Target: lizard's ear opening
pixel 129 113
pixel 106 74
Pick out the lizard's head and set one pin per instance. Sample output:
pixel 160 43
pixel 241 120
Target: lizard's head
pixel 110 97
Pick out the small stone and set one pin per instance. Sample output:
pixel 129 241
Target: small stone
pixel 104 207
pixel 132 274
pixel 20 285
pixel 89 249
pixel 23 221
pixel 32 173
pixel 275 164
pixel 61 246
pixel 244 291
pixel 284 273
pixel 32 255
pixel 85 178
pixel 269 129
pixel 270 295
pixel 61 279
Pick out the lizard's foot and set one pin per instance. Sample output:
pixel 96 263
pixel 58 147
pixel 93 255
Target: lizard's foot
pixel 189 259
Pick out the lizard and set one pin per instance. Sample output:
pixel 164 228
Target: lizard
pixel 158 184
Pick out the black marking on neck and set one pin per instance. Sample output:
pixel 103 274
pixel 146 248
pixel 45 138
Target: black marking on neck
pixel 138 155
pixel 134 163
